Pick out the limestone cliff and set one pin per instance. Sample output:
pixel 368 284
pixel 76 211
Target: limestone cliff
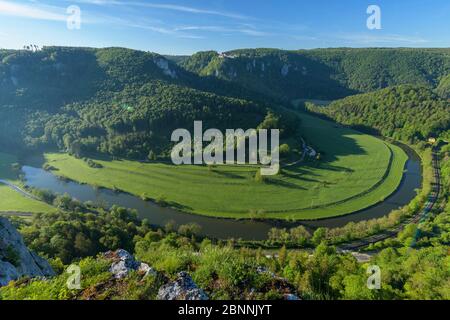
pixel 16 261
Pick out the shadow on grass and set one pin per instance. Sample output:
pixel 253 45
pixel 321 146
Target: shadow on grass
pixel 298 176
pixel 177 206
pixel 284 184
pixel 227 174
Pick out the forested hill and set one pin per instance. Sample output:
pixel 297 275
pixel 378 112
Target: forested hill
pixel 444 87
pixel 66 74
pixel 325 74
pixel 116 101
pixel 124 102
pixel 403 112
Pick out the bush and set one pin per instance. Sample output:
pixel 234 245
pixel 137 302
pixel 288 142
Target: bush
pixel 284 150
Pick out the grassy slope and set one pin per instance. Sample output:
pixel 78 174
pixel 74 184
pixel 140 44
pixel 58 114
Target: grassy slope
pixel 10 200
pixel 352 164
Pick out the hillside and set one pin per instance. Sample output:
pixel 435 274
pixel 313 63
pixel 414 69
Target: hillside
pixel 322 73
pixel 107 100
pixel 403 112
pixel 444 87
pixel 125 104
pixel 219 270
pixel 114 101
pixel 69 74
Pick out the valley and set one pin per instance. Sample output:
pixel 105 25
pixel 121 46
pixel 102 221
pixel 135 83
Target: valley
pixel 117 137
pixel 355 172
pixel 86 175
pixel 221 158
pixel 15 201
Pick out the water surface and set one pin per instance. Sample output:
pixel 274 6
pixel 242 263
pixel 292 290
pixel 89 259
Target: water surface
pixel 216 227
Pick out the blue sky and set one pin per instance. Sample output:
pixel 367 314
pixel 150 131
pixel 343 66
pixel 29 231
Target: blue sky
pixel 184 27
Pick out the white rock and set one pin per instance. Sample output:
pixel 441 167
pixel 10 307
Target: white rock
pixel 124 263
pixel 184 288
pixel 26 264
pixel 147 270
pixel 163 64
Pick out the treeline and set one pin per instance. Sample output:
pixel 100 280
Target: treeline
pixel 223 271
pixel 114 101
pixel 137 122
pixel 435 231
pixel 406 112
pixel 85 100
pixel 414 264
pixel 325 74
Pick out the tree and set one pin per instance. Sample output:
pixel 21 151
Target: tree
pixel 151 156
pixel 299 235
pixel 284 150
pixel 189 230
pixel 319 235
pixel 282 257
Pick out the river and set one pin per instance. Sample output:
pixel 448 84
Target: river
pixel 223 228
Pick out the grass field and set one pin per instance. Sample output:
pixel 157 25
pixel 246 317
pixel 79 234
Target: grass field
pixel 356 171
pixel 10 200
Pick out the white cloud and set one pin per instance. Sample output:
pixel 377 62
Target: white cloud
pixel 166 6
pixel 381 39
pixel 244 30
pixel 50 13
pixel 192 10
pixel 32 12
pixel 37 10
pixel 158 29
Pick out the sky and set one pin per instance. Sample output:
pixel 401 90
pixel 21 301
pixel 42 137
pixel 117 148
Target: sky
pixel 187 26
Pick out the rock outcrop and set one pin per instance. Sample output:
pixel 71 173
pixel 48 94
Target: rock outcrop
pixel 16 261
pixel 280 284
pixel 123 262
pixel 163 64
pixel 183 288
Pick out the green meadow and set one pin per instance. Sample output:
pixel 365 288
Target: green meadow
pixel 11 200
pixel 355 171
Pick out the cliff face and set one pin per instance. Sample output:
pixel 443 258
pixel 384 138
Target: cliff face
pixel 16 260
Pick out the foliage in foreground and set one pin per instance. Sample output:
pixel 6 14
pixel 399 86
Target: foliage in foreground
pixel 224 271
pixel 415 265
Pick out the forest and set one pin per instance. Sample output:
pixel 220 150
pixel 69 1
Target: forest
pixel 405 112
pixel 104 106
pixel 224 269
pixel 125 103
pixel 101 100
pixel 324 74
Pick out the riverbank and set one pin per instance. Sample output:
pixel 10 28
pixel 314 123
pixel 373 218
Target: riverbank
pixel 211 227
pixel 355 171
pixel 355 236
pixel 13 198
